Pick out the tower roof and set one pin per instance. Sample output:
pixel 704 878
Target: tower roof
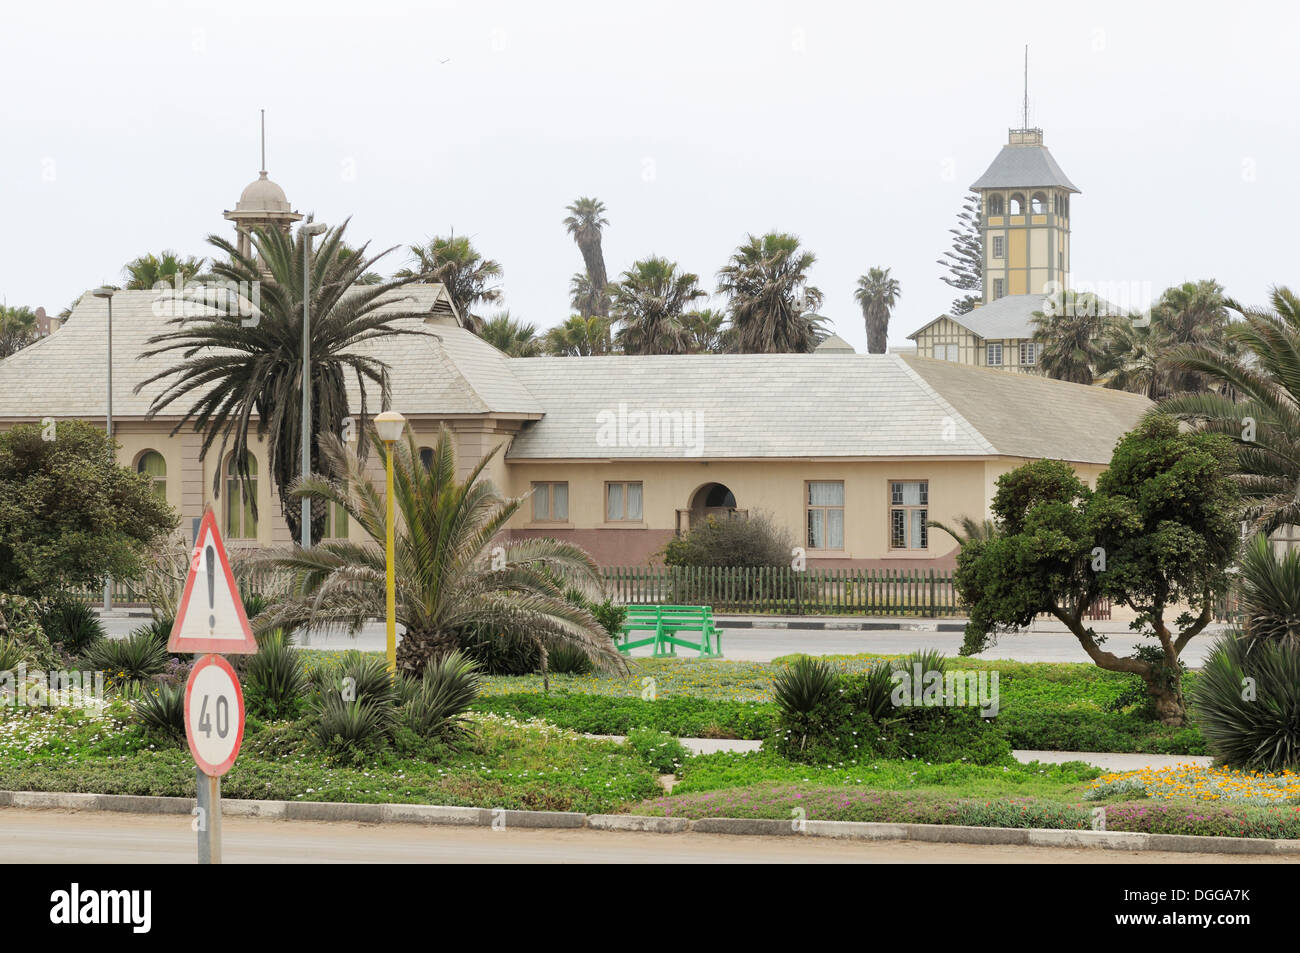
pixel 1024 163
pixel 263 195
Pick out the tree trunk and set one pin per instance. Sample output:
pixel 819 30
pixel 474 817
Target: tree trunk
pixel 1167 702
pixel 417 649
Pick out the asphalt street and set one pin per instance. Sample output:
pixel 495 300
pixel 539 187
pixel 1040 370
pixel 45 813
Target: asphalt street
pixel 765 644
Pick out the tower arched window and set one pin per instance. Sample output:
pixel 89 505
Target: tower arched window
pixel 995 205
pixel 1038 204
pixel 241 523
pixel 1017 204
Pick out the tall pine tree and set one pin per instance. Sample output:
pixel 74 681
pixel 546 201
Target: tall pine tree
pixel 965 260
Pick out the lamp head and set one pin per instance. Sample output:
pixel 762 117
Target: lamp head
pixel 107 291
pixel 390 425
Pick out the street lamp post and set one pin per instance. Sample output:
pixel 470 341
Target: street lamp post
pixel 390 424
pixel 308 230
pixel 106 293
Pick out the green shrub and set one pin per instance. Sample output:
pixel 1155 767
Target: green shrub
pixel 20 620
pixel 804 687
pixel 1247 703
pixel 436 710
pixel 159 628
pixel 358 676
pixel 274 679
pixel 569 660
pixel 13 654
pixel 500 653
pixel 855 717
pixel 658 749
pixel 71 623
pixel 733 543
pixel 161 711
pixel 352 731
pixel 128 663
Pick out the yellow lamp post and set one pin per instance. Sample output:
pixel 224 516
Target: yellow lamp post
pixel 390 425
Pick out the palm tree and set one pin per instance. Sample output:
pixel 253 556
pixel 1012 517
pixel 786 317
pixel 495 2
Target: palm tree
pixel 1070 335
pixel 449 582
pixel 370 277
pixel 467 275
pixel 968 529
pixel 1134 353
pixel 17 329
pixel 771 301
pixel 169 268
pixel 586 300
pixel 584 222
pixel 510 336
pixel 1255 403
pixel 877 294
pixel 231 370
pixel 649 302
pixel 706 331
pixel 579 337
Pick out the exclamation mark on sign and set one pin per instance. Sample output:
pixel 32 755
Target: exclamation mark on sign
pixel 209 556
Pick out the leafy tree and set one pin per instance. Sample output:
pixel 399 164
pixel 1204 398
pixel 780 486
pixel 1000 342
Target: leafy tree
pixel 1255 403
pixel 448 581
pixel 965 260
pixel 585 221
pixel 877 294
pixel 468 277
pixel 17 329
pixel 69 515
pixel 230 369
pixel 706 332
pixel 168 268
pixel 1159 530
pixel 649 302
pixel 579 337
pixel 510 336
pixel 346 252
pixel 771 303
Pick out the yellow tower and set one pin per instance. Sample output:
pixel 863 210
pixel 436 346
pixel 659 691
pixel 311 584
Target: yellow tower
pixel 1025 219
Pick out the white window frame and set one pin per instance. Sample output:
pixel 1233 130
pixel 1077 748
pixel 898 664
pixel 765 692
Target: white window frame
pixel 989 350
pixel 1028 353
pixel 905 510
pixel 823 511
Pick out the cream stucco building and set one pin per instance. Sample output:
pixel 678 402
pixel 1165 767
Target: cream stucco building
pixel 852 453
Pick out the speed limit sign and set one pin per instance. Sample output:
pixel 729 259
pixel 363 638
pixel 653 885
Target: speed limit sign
pixel 214 715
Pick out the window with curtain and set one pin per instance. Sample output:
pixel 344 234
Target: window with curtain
pixel 909 510
pixel 825 514
pixel 152 464
pixel 622 502
pixel 550 502
pixel 240 521
pixel 336 521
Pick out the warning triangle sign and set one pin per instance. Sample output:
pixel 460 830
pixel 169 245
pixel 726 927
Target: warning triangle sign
pixel 211 614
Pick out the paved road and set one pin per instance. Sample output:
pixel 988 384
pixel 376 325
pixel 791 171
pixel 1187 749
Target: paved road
pixel 36 836
pixel 763 645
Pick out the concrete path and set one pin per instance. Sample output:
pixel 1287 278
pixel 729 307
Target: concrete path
pixel 765 644
pixel 62 837
pixel 1107 760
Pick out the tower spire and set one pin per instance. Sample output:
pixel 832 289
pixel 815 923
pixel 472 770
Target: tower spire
pixel 1025 119
pixel 264 125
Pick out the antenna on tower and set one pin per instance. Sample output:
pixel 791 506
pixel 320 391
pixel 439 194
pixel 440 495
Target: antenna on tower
pixel 1025 123
pixel 264 138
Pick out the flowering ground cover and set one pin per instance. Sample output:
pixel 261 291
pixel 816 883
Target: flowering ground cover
pixel 1197 783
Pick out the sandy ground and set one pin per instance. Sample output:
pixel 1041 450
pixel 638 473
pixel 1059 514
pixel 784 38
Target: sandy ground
pixel 50 836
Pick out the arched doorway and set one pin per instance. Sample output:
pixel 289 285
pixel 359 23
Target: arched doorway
pixel 712 499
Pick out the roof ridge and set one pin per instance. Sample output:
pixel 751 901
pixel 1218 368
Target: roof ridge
pixel 939 399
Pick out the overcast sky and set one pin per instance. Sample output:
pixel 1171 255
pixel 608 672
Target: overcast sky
pixel 130 127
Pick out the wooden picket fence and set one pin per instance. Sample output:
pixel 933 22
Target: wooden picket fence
pixel 915 592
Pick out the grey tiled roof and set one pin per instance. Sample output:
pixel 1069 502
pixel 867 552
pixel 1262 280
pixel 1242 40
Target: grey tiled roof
pixel 808 405
pixel 1027 415
pixel 1024 167
pixel 1010 316
pixel 65 374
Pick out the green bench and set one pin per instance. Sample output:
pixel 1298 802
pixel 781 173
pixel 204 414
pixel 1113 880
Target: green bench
pixel 664 623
